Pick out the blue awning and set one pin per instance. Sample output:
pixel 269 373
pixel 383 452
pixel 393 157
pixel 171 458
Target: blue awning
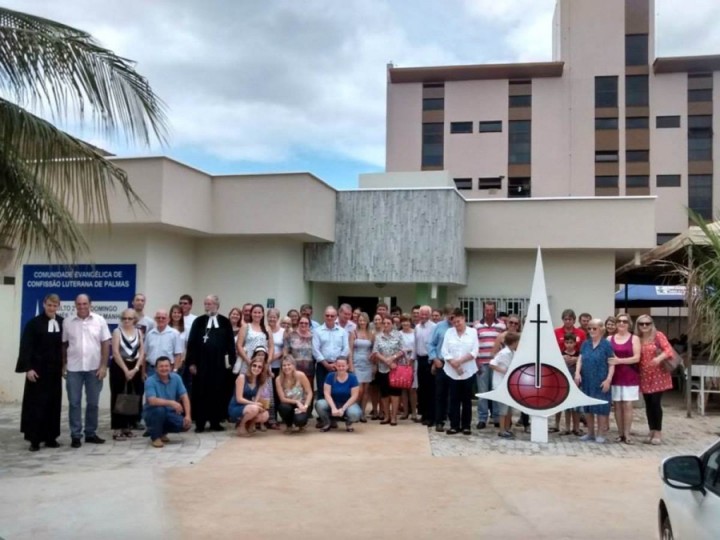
pixel 650 296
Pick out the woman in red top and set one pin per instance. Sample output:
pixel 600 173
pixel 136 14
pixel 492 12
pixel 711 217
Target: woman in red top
pixel 653 379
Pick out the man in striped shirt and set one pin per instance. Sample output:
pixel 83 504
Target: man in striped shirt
pixel 488 329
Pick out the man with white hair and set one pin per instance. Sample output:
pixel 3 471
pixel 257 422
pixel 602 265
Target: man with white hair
pixel 426 379
pixel 210 351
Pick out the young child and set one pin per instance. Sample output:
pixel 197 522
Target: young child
pixel 570 354
pixel 500 365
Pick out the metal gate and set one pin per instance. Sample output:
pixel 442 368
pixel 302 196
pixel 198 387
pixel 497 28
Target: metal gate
pixel 473 306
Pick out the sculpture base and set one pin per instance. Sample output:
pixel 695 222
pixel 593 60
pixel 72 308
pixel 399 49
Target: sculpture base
pixel 539 429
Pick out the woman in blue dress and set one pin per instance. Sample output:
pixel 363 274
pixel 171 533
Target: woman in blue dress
pixel 361 344
pixel 245 408
pixel 594 375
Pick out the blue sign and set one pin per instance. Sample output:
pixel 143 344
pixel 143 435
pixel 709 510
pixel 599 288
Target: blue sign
pixel 110 287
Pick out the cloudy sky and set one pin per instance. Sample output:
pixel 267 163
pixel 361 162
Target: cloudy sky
pixel 289 85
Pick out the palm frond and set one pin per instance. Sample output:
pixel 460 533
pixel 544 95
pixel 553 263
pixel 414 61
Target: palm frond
pixel 52 65
pixel 44 170
pixel 703 289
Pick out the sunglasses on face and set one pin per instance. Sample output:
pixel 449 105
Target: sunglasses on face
pixel 256 366
pixel 623 321
pixel 127 318
pixel 644 324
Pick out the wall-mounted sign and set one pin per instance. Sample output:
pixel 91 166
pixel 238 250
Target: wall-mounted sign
pixel 110 287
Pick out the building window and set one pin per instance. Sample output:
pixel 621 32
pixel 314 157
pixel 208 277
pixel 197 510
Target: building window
pixel 664 238
pixel 700 138
pixel 635 156
pixel 637 181
pixel 606 92
pixel 433 104
pixel 461 127
pixel 636 91
pixel 667 122
pixel 700 95
pixel 493 182
pixel 637 122
pixel 518 188
pixel 700 194
pixel 519 139
pixel 636 50
pixel 668 180
pixel 520 101
pixel 434 85
pixel 606 123
pixel 700 148
pixel 698 121
pixel 432 144
pixel 606 182
pixel 463 183
pixel 493 126
pixel 606 156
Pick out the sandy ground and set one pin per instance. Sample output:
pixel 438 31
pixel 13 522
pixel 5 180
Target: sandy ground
pixel 384 483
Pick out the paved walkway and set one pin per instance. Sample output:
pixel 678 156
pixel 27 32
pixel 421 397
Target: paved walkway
pixel 378 482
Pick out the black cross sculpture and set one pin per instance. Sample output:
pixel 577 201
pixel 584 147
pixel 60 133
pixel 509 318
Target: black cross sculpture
pixel 537 322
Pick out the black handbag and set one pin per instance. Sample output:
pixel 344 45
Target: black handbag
pixel 128 402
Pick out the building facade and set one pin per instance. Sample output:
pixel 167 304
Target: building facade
pixel 604 117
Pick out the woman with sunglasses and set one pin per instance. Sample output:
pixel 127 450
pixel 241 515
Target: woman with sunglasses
pixel 126 371
pixel 244 408
pixel 298 344
pixel 593 374
pixel 626 378
pixel 654 380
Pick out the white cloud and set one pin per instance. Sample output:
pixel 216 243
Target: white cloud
pixel 269 81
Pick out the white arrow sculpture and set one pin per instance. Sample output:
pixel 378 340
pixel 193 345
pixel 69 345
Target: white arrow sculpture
pixel 537 381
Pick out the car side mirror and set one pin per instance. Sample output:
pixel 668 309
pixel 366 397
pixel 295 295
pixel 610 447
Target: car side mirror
pixel 683 472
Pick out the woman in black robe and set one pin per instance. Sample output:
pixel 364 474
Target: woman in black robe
pixel 40 359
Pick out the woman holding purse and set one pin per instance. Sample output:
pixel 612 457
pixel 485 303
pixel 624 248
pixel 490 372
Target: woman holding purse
pixel 409 395
pixel 654 379
pixel 125 372
pixel 387 351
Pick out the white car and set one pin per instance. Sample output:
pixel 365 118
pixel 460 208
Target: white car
pixel 690 504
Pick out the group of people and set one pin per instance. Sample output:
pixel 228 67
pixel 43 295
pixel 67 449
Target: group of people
pixel 262 370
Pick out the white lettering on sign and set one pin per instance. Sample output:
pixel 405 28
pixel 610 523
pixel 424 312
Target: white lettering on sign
pixel 670 290
pixel 108 309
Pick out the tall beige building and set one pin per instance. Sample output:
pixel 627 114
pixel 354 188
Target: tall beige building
pixel 604 117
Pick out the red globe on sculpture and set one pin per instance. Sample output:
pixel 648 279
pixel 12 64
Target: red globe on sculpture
pixel 554 387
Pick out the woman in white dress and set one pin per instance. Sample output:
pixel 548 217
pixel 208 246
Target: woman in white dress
pixel 409 397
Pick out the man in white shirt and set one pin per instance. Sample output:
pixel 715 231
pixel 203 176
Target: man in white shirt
pixel 186 303
pixel 162 341
pixel 86 349
pixel 426 380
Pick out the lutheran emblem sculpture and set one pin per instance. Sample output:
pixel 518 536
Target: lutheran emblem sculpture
pixel 538 382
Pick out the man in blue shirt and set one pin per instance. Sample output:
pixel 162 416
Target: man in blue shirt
pixel 434 347
pixel 329 343
pixel 167 406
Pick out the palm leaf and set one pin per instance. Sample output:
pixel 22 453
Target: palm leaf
pixel 703 286
pixel 62 177
pixel 62 69
pixel 48 178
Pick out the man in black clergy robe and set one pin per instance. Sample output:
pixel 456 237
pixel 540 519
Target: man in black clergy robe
pixel 40 359
pixel 210 350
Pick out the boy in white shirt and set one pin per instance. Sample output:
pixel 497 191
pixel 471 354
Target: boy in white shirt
pixel 500 365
